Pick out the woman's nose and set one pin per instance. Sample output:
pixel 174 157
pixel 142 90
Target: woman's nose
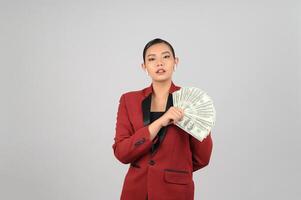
pixel 160 62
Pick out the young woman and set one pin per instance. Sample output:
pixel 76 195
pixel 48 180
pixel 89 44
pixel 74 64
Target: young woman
pixel 162 156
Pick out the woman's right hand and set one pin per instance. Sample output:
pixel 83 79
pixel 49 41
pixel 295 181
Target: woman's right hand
pixel 172 115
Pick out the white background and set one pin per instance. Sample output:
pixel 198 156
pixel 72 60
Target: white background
pixel 64 65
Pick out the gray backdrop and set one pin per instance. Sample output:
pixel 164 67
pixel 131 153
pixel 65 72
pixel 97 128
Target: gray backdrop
pixel 64 65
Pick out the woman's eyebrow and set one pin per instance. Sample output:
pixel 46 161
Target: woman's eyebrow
pixel 165 52
pixel 161 53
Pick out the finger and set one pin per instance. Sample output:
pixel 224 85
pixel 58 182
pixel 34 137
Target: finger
pixel 180 114
pixel 175 116
pixel 182 111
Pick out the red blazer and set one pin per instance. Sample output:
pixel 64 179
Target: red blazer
pixel 166 174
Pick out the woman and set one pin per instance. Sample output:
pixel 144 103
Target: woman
pixel 162 156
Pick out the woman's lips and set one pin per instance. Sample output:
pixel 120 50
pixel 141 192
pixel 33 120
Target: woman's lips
pixel 160 71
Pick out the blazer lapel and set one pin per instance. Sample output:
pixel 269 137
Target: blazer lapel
pixel 146 102
pixel 162 131
pixel 146 105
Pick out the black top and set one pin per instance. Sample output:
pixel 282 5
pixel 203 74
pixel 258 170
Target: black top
pixel 159 137
pixel 155 115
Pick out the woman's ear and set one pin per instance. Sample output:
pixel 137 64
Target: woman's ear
pixel 176 60
pixel 143 66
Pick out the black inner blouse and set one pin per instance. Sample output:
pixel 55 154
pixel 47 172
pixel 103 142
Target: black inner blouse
pixel 159 137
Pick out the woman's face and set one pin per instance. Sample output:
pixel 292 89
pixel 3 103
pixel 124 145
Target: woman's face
pixel 159 62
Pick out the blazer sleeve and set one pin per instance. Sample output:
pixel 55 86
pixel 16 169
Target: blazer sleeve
pixel 129 145
pixel 201 151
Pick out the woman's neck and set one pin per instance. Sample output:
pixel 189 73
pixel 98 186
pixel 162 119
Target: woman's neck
pixel 161 89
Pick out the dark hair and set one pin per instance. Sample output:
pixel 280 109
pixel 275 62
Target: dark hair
pixel 157 41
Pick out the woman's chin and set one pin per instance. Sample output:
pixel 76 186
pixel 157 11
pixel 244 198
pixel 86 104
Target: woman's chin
pixel 161 78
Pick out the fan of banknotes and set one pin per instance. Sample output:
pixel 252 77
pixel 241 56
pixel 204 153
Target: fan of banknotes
pixel 199 112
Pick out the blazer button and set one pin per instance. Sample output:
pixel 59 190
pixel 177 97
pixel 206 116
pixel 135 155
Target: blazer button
pixel 151 162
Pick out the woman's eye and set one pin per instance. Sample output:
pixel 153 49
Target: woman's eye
pixel 151 59
pixel 166 56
